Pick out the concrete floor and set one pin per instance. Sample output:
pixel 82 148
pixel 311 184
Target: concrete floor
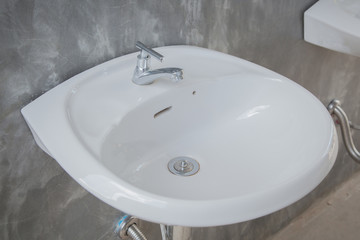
pixel 334 217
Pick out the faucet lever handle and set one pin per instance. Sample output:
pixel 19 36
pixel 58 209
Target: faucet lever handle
pixel 145 51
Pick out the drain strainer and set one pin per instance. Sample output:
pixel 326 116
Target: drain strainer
pixel 183 166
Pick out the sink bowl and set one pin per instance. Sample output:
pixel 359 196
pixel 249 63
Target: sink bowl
pixel 334 24
pixel 258 141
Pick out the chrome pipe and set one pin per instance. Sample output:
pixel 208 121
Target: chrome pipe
pixel 166 232
pixel 335 109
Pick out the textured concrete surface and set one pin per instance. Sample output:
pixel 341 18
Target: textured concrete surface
pixel 45 42
pixel 337 216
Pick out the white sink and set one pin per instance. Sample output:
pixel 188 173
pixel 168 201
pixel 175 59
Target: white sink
pixel 334 24
pixel 261 141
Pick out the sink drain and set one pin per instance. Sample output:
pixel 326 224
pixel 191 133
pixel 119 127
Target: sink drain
pixel 183 166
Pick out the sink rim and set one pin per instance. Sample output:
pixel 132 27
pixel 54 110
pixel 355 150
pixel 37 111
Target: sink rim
pixel 137 200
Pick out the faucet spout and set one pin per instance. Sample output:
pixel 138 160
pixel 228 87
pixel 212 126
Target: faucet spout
pixel 144 76
pixel 148 77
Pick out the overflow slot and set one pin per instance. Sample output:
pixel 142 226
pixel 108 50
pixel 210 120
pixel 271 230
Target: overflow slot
pixel 162 111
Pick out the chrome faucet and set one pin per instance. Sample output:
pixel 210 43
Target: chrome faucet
pixel 143 75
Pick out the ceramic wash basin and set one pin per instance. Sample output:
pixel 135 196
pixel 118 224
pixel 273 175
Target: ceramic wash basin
pixel 255 140
pixel 334 24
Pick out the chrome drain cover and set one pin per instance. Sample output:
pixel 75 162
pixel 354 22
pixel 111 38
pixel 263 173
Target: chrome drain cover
pixel 183 166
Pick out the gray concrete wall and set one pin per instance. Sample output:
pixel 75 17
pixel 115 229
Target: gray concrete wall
pixel 45 42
